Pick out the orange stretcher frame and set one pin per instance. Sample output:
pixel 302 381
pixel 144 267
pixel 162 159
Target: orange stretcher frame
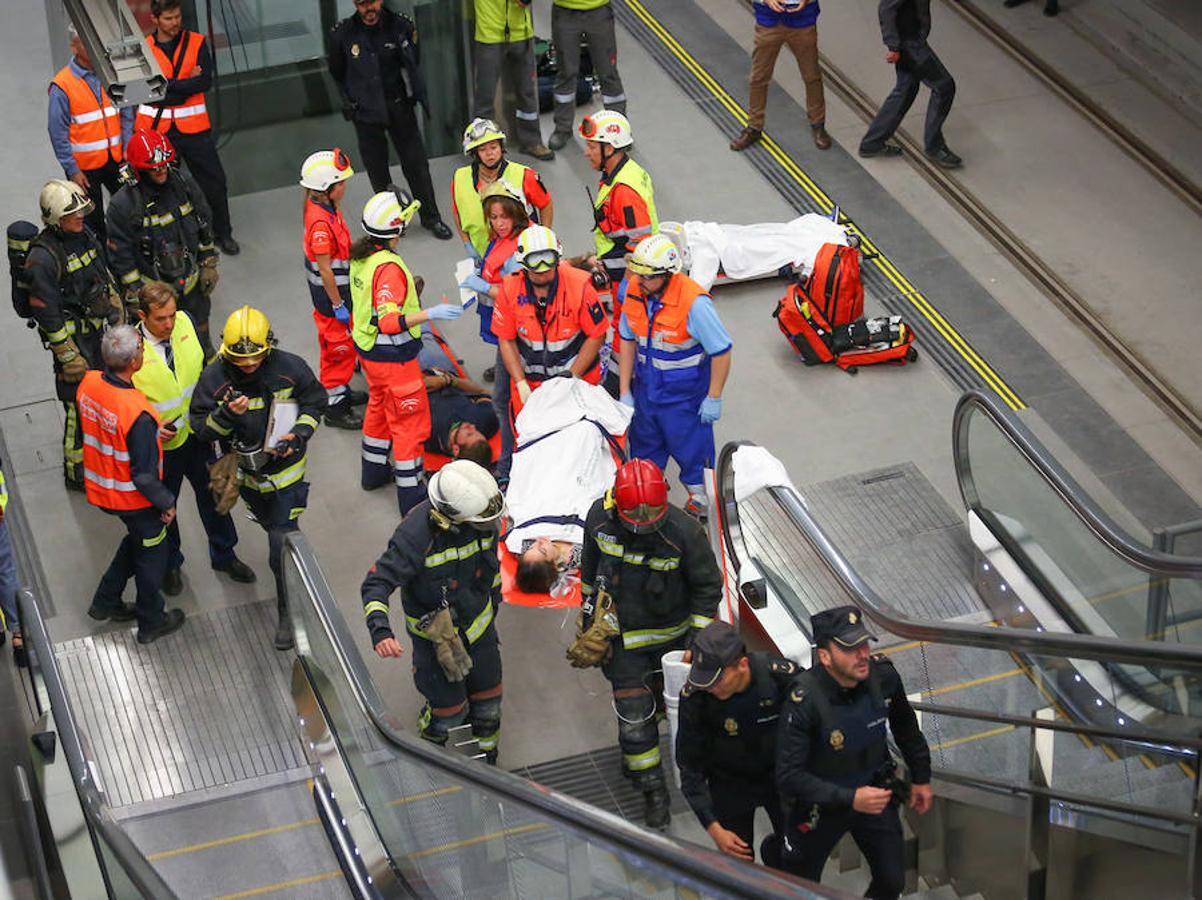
pixel 432 461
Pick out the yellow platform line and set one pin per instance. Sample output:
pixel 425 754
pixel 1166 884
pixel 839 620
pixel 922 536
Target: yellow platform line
pixel 283 885
pixel 916 298
pixel 232 839
pixel 969 738
pixel 975 682
pixel 479 839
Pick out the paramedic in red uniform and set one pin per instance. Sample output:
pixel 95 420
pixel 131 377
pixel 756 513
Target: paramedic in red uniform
pixel 387 333
pixel 327 267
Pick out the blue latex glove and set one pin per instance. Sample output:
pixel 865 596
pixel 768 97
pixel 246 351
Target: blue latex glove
pixel 627 400
pixel 342 314
pixel 511 265
pixel 711 410
pixel 444 312
pixel 472 252
pixel 475 283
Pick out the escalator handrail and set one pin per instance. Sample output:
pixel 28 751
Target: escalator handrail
pixel 135 865
pixel 696 863
pixel 1102 526
pixel 891 619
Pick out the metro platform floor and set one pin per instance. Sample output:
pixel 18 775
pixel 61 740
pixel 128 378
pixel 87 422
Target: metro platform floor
pixel 821 423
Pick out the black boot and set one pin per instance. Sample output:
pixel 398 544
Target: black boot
pixel 657 808
pixel 342 416
pixel 283 629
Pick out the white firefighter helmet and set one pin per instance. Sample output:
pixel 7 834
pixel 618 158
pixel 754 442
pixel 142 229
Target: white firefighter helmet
pixel 61 198
pixel 464 491
pixel 324 169
pixel 388 212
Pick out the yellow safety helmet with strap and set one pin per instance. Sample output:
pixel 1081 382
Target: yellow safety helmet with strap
pixel 655 254
pixel 247 334
pixel 479 133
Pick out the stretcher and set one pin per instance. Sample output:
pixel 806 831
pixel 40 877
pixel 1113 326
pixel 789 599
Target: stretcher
pixel 570 441
pixel 436 353
pixel 714 254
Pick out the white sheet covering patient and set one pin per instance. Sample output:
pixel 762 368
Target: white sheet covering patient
pixel 562 462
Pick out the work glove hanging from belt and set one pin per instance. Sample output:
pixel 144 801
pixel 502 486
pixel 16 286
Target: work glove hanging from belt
pixel 118 315
pixel 594 645
pixel 440 628
pixel 209 276
pixel 223 482
pixel 72 365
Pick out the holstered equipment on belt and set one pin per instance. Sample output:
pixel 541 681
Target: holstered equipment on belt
pixel 594 645
pixel 440 628
pixel 223 482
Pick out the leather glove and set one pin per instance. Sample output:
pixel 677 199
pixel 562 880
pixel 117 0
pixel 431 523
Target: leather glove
pixel 594 645
pixel 444 312
pixel 711 410
pixel 209 275
pixel 524 390
pixel 475 283
pixel 627 399
pixel 71 362
pixel 342 314
pixel 118 315
pixel 448 645
pixel 472 253
pixel 223 482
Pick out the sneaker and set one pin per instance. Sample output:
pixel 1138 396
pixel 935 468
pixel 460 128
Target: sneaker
pixel 122 613
pixel 172 622
pixel 883 150
pixel 822 140
pixel 173 583
pixel 238 571
pixel 490 374
pixel 697 507
pixel 342 416
pixel 538 151
pixel 559 140
pixel 945 159
pixel 746 138
pixel 657 809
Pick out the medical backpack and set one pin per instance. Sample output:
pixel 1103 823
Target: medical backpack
pixel 861 342
pixel 834 286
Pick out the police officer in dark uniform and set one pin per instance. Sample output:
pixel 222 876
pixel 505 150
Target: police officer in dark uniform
pixel 726 739
pixel 833 766
pixel 233 404
pixel 650 583
pixel 68 291
pixel 443 559
pixel 373 56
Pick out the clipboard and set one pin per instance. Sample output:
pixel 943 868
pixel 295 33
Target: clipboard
pixel 463 270
pixel 280 421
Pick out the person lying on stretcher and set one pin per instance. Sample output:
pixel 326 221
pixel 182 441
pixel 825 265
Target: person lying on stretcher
pixel 567 447
pixel 462 418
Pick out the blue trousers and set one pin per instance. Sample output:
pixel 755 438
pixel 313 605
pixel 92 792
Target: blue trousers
pixel 189 461
pixel 141 554
pixel 9 582
pixel 661 429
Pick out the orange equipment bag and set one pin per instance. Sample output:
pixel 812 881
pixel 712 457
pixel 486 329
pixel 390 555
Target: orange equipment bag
pixel 862 342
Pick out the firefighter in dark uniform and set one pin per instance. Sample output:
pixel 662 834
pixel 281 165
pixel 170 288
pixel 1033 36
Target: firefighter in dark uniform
pixel 233 404
pixel 159 229
pixel 833 765
pixel 726 739
pixel 443 559
pixel 71 296
pixel 649 582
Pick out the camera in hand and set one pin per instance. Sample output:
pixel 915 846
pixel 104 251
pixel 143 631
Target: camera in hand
pixel 287 446
pixel 887 778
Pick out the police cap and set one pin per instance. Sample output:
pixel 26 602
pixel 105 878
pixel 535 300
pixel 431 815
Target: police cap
pixel 718 645
pixel 844 625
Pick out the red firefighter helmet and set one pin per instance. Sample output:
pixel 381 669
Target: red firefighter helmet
pixel 149 149
pixel 641 496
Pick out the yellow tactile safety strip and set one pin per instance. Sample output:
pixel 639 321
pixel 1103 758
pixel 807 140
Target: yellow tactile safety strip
pixel 873 255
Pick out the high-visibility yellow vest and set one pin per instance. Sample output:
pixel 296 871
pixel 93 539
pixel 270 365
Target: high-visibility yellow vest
pixel 498 21
pixel 471 210
pixel 581 4
pixel 363 275
pixel 170 393
pixel 636 177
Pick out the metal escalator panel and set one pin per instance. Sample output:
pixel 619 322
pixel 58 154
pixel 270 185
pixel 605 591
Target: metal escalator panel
pixel 414 819
pixel 1034 526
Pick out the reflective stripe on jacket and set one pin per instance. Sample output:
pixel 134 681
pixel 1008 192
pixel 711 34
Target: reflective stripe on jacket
pixel 317 214
pixel 636 178
pixel 671 364
pixel 171 392
pixel 95 129
pixel 191 116
pixel 106 414
pixel 371 342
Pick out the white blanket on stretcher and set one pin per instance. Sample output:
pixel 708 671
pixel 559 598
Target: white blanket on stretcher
pixel 563 462
pixel 750 251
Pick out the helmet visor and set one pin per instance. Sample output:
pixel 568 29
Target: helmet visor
pixel 244 349
pixel 644 517
pixel 489 516
pixel 540 260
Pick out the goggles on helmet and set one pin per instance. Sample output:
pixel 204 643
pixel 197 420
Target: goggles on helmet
pixel 244 347
pixel 540 260
pixel 588 128
pixel 342 162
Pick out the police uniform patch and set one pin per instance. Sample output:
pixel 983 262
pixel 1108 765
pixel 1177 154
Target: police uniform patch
pixel 355 50
pixel 731 726
pixel 797 695
pixel 852 618
pixel 836 739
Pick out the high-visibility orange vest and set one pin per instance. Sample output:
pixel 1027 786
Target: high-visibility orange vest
pixel 192 115
pixel 670 363
pixel 95 128
pixel 106 414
